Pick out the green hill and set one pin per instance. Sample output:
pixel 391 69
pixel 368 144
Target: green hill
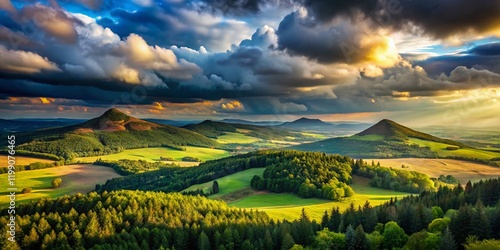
pixel 109 133
pixel 214 129
pixel 386 139
pixel 396 132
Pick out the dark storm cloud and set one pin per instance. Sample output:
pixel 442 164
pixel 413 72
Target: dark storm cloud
pixel 490 49
pixel 241 7
pixel 305 37
pixel 440 19
pixel 243 56
pixel 486 56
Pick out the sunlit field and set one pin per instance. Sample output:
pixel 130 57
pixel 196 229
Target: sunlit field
pixel 80 178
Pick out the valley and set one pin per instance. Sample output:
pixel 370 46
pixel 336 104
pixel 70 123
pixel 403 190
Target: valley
pixel 283 171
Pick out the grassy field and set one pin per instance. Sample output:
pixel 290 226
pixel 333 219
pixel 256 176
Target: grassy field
pixel 80 178
pixel 289 206
pixel 462 170
pixel 313 135
pixel 154 154
pixel 440 148
pixel 230 183
pixel 22 160
pixel 236 138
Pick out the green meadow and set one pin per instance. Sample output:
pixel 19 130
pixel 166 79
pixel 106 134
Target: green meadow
pixel 289 206
pixel 236 138
pixel 231 183
pixel 80 178
pixel 22 160
pixel 235 189
pixel 154 154
pixel 440 148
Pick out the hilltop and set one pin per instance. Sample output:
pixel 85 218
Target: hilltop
pixel 109 133
pixel 306 124
pixel 394 131
pixel 115 120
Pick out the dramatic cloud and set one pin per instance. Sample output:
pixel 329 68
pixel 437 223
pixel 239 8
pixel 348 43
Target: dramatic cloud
pixel 53 22
pixel 445 19
pixel 172 25
pixel 24 62
pixel 340 41
pixel 254 57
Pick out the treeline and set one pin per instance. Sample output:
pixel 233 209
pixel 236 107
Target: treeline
pixel 308 174
pixel 128 167
pixel 177 179
pixel 395 179
pixel 491 162
pixel 34 154
pixel 32 166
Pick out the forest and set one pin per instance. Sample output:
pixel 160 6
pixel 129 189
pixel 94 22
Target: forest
pixel 395 179
pixel 449 218
pixel 308 174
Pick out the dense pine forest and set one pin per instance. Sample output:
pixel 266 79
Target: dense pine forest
pixel 449 218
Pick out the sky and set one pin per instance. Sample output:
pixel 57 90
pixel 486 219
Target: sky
pixel 421 62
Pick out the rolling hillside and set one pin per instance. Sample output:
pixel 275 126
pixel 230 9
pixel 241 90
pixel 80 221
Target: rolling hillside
pixel 214 129
pixel 112 132
pixel 386 139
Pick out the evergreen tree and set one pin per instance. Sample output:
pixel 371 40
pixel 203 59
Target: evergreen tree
pixel 361 242
pixel 350 237
pixel 268 240
pixel 287 242
pixel 335 220
pixel 447 241
pixel 324 220
pixel 203 242
pixel 215 187
pixel 480 224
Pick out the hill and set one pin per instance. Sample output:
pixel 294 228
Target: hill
pixel 386 139
pixel 397 132
pixel 109 133
pixel 214 129
pixel 307 124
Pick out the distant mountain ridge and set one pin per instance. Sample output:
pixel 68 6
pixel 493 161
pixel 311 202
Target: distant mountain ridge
pixel 308 124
